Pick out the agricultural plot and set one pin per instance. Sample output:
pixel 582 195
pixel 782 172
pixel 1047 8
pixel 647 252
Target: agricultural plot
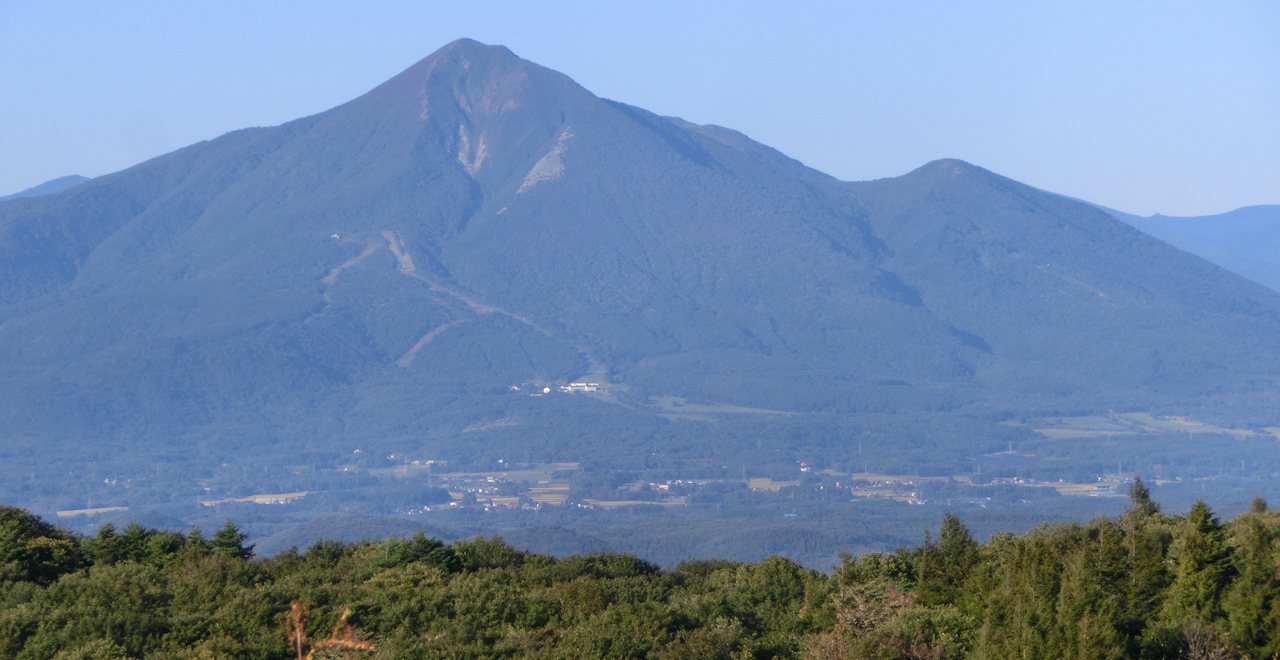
pixel 1093 426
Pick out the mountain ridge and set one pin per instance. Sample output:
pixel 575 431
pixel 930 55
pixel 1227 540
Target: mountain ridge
pixel 48 187
pixel 1242 241
pixel 379 275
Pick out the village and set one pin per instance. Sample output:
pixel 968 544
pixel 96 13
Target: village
pixel 560 484
pixel 550 485
pixel 530 487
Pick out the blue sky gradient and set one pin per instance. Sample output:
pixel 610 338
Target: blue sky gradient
pixel 1170 107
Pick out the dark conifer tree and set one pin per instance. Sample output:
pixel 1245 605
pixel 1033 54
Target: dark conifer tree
pixel 131 545
pixel 196 540
pixel 1141 504
pixel 229 542
pixel 1252 604
pixel 103 547
pixel 1147 538
pixel 163 547
pixel 944 566
pixel 1203 567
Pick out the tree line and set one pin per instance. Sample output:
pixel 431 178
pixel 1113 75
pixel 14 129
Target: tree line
pixel 1143 585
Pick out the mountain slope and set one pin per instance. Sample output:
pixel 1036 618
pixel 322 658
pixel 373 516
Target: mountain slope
pixel 377 276
pixel 1069 299
pixel 49 187
pixel 1244 241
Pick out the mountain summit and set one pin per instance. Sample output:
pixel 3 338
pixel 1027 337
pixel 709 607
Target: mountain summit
pixel 379 276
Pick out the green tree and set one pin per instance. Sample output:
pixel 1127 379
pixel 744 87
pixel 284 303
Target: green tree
pixel 162 547
pixel 102 547
pixel 1252 604
pixel 396 552
pixel 480 553
pixel 126 603
pixel 1147 538
pixel 131 545
pixel 1203 567
pixel 943 566
pixel 229 542
pixel 1141 505
pixel 1086 616
pixel 32 550
pixel 196 540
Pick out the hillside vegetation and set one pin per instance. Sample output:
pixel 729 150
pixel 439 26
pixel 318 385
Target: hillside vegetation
pixel 1141 585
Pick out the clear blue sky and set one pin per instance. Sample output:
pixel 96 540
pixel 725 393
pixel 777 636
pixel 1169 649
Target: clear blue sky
pixel 1170 107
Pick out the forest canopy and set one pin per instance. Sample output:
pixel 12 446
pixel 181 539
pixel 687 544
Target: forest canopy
pixel 1145 584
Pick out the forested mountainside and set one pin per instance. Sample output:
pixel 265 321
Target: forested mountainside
pixel 49 187
pixel 1142 585
pixel 389 280
pixel 1244 241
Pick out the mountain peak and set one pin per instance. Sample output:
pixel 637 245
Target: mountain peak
pixel 466 46
pixel 948 168
pixel 468 52
pixel 477 79
pixel 462 57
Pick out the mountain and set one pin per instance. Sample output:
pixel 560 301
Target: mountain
pixel 1244 241
pixel 49 187
pixel 372 281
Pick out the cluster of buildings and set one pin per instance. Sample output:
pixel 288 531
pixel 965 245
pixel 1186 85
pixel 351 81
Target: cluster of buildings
pixel 535 389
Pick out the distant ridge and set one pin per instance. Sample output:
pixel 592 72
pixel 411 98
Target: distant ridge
pixel 49 187
pixel 1245 241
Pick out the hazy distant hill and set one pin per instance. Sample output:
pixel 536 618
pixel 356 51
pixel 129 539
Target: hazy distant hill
pixel 377 276
pixel 49 187
pixel 1245 241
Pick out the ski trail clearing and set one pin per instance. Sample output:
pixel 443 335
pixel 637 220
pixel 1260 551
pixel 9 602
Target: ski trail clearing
pixel 397 247
pixel 332 277
pixel 407 358
pixel 406 266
